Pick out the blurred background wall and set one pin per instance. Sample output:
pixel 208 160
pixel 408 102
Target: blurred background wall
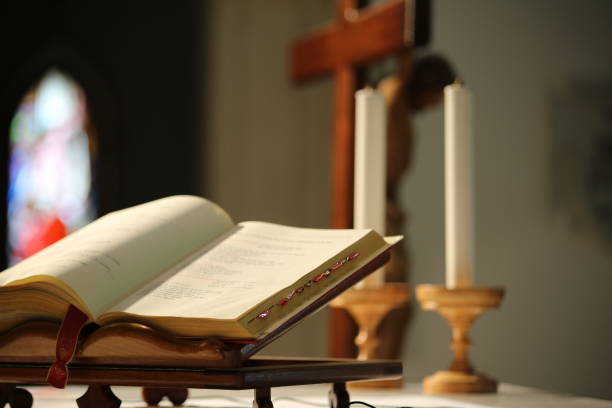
pixel 267 155
pixel 537 69
pixel 541 75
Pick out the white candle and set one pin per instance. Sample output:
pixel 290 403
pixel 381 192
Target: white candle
pixel 459 186
pixel 370 169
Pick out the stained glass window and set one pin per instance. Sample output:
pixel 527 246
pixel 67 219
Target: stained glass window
pixel 50 180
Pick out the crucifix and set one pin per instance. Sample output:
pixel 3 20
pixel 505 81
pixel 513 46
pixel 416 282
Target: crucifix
pixel 357 37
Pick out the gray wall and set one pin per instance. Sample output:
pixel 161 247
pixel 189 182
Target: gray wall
pixel 267 149
pixel 537 69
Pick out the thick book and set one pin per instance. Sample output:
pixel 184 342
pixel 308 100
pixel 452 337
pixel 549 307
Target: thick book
pixel 182 266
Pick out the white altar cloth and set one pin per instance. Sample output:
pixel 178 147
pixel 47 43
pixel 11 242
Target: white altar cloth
pixel 315 396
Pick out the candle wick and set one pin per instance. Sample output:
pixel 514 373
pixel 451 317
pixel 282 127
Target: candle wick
pixel 459 82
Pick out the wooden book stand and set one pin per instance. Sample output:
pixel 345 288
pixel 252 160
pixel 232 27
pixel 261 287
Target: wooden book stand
pixel 136 355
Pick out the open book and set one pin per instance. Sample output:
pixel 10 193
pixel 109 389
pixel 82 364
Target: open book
pixel 182 266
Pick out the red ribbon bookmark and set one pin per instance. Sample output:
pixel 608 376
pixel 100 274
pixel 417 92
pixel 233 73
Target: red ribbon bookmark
pixel 65 346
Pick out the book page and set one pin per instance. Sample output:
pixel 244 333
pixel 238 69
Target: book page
pixel 252 262
pixel 115 255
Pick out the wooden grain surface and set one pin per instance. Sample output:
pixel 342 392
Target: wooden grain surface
pixel 257 373
pixel 372 33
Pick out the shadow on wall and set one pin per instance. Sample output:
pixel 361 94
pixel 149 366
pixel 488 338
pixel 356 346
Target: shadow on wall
pixel 581 162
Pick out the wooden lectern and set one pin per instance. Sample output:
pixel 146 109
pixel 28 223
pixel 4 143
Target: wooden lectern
pixel 136 355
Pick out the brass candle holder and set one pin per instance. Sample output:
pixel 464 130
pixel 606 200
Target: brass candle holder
pixel 460 307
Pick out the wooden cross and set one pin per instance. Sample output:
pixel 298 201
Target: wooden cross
pixel 354 39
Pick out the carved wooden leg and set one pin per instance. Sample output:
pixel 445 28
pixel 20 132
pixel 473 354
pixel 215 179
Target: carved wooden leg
pixel 262 398
pixel 338 396
pixel 6 390
pixel 153 396
pixel 99 396
pixel 15 397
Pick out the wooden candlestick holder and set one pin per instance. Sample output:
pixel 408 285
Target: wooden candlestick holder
pixel 460 307
pixel 369 306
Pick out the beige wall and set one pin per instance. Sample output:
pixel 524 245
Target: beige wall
pixel 537 70
pixel 267 141
pixel 267 157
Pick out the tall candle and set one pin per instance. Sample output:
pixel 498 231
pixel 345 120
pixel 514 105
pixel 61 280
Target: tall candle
pixel 459 185
pixel 370 169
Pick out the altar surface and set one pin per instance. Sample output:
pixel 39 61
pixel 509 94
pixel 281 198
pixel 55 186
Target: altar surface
pixel 510 396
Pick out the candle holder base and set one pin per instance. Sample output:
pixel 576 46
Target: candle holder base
pixel 377 384
pixel 460 307
pixel 448 382
pixel 369 306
